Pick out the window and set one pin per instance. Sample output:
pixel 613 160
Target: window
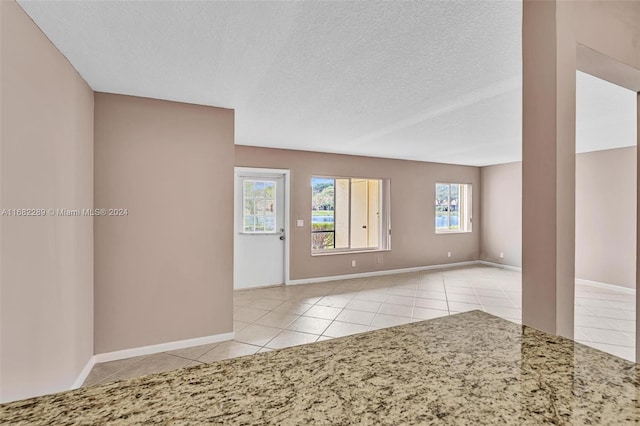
pixel 259 206
pixel 453 207
pixel 349 214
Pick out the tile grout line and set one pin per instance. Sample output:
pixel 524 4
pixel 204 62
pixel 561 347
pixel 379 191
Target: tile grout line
pixel 446 294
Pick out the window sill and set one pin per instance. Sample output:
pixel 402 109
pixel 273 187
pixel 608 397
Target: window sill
pixel 452 232
pixel 334 252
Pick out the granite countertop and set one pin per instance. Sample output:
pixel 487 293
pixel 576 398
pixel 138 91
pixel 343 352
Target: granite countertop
pixel 470 368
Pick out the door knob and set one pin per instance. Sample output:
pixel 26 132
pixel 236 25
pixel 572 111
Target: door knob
pixel 281 237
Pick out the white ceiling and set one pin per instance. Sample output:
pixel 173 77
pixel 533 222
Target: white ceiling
pixel 432 81
pixel 605 114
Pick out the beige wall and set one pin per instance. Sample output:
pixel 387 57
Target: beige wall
pixel 552 34
pixel 413 243
pixel 548 171
pixel 501 207
pixel 164 272
pixel 46 152
pixel 605 215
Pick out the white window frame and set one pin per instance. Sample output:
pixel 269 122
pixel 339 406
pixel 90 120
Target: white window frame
pixel 465 209
pixel 384 224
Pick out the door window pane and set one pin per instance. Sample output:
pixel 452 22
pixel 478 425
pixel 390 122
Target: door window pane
pixel 259 206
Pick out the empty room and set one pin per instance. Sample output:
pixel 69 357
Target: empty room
pixel 268 212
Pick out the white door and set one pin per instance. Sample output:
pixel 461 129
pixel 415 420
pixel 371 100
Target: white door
pixel 259 243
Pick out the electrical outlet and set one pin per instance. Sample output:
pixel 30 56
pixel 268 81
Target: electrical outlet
pixel 379 259
pixel 353 263
pixel 299 222
pixel 448 254
pixel 501 255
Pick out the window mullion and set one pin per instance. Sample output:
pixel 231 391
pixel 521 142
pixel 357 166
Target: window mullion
pixel 350 221
pixel 335 216
pixel 448 207
pixel 255 211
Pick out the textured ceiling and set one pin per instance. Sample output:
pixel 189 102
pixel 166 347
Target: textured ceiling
pixel 431 81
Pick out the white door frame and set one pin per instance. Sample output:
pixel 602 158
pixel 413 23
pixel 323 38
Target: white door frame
pixel 287 189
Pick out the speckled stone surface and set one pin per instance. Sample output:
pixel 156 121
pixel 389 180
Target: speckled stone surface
pixel 469 368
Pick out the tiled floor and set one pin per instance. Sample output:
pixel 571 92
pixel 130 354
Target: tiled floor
pixel 606 319
pixel 278 317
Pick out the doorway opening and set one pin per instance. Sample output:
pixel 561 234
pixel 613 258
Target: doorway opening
pixel 605 216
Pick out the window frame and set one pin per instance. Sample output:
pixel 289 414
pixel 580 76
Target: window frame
pixel 255 215
pixel 465 209
pixel 384 218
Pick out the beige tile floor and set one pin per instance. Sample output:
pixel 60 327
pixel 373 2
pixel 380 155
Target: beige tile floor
pixel 283 316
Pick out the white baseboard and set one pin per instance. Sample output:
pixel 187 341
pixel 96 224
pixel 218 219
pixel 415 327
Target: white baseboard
pixel 606 286
pixel 146 350
pixel 578 280
pixel 53 388
pixel 84 373
pixel 162 347
pixel 380 273
pixel 500 265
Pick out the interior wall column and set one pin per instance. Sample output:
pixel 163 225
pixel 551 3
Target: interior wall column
pixel 548 169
